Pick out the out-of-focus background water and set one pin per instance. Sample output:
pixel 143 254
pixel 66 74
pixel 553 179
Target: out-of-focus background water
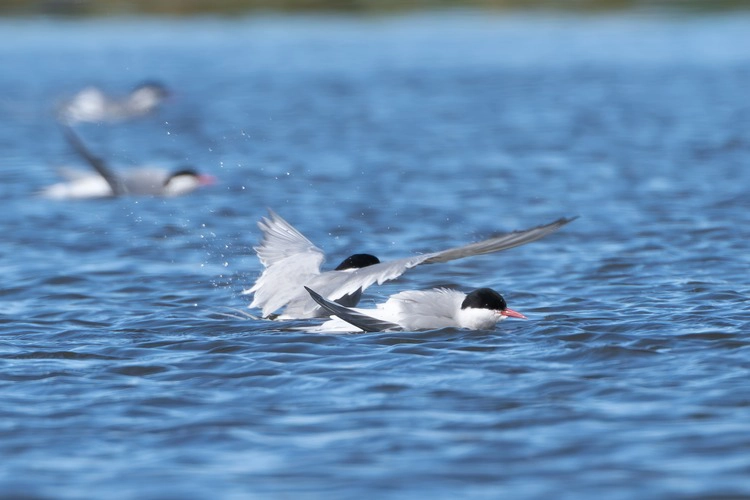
pixel 390 134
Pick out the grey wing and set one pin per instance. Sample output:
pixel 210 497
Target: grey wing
pixel 361 321
pixel 385 271
pixel 115 183
pixel 298 303
pixel 281 286
pixel 290 261
pixel 147 181
pixel 281 240
pixel 498 243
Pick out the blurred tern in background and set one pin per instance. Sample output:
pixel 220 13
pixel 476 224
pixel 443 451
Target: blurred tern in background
pixel 103 182
pixel 92 105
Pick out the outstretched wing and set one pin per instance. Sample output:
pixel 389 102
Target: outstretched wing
pixel 498 243
pixel 115 183
pixel 355 318
pixel 385 271
pixel 290 261
pixel 281 241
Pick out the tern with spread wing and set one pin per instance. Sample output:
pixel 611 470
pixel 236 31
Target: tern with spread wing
pixel 291 262
pixel 105 182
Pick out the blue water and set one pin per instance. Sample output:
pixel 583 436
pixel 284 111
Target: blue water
pixel 122 377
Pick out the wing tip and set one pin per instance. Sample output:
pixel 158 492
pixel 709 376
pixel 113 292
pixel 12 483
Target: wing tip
pixel 562 221
pixel 550 226
pixel 315 295
pixel 567 220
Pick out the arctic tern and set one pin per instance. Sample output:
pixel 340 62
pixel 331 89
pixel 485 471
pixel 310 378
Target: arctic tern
pixel 414 310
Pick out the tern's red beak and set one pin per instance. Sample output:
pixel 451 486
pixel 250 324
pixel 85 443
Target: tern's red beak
pixel 206 180
pixel 512 314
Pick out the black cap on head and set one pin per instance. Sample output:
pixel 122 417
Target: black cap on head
pixel 358 261
pixel 484 298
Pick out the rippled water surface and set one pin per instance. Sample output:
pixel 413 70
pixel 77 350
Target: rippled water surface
pixel 121 376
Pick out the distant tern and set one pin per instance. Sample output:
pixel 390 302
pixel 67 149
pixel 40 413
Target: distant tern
pixel 92 105
pixel 143 181
pixel 104 182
